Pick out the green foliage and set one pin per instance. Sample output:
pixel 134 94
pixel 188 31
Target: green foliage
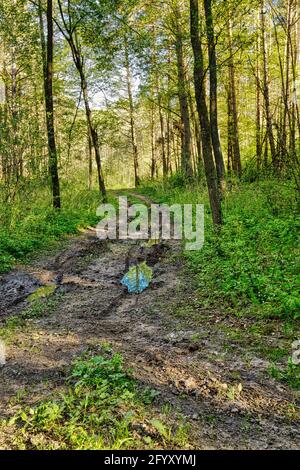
pixel 38 307
pixel 29 223
pixel 290 375
pixel 101 409
pixel 101 371
pixel 41 306
pixel 253 263
pixel 42 292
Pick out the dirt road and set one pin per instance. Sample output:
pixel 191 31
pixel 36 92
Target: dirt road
pixel 171 342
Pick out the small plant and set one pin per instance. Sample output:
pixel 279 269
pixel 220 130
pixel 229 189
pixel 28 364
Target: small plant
pixel 234 391
pixel 251 266
pixel 290 375
pixel 101 409
pixel 37 308
pixel 101 371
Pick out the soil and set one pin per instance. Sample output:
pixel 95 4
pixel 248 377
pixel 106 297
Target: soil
pixel 219 384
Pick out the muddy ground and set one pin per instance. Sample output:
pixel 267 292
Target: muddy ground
pixel 218 381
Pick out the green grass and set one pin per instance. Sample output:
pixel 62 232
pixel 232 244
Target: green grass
pixel 253 265
pixel 28 223
pixel 37 308
pixel 289 375
pixel 103 408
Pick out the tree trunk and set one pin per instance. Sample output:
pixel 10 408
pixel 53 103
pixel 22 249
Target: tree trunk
pixel 48 84
pixel 213 83
pixel 236 160
pixel 210 170
pixel 131 116
pixel 229 132
pixel 197 135
pixel 258 107
pixel 186 164
pixel 160 112
pixel 90 153
pixel 266 88
pixel 78 59
pixel 287 114
pixel 153 156
pixel 93 134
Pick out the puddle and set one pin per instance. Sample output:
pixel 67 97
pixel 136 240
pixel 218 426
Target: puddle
pixel 42 292
pixel 138 278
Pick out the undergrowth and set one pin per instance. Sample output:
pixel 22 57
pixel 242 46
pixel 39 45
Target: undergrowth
pixel 103 408
pixel 37 308
pixel 29 223
pixel 289 375
pixel 253 264
pixel 251 267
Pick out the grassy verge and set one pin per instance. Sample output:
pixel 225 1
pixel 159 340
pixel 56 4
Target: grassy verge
pixel 254 263
pixel 28 223
pixel 102 408
pixel 38 307
pixel 252 267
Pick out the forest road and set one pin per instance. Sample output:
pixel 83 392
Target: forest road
pixel 172 343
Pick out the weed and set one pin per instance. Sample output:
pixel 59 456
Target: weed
pixel 103 408
pixel 37 308
pixel 234 392
pixel 30 224
pixel 290 375
pixel 252 265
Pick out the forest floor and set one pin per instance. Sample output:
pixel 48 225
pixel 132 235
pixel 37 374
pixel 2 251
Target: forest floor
pixel 204 363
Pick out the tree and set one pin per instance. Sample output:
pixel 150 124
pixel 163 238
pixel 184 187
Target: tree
pixel 69 30
pixel 48 78
pixel 210 171
pixel 213 83
pixel 186 164
pixel 131 114
pixel 266 92
pixel 233 133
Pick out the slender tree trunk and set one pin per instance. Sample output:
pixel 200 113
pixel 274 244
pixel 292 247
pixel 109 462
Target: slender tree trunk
pixel 48 81
pixel 160 111
pixel 281 149
pixel 90 153
pixel 174 149
pixel 42 37
pixel 197 134
pixel 186 164
pixel 8 139
pixel 72 38
pixel 213 83
pixel 210 171
pixel 295 68
pixel 287 114
pixel 93 134
pixel 266 153
pixel 169 163
pixel 131 116
pixel 258 106
pixel 162 137
pixel 153 156
pixel 229 132
pixel 14 118
pixel 236 161
pixel 291 58
pixel 4 134
pixel 168 144
pixel 266 87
